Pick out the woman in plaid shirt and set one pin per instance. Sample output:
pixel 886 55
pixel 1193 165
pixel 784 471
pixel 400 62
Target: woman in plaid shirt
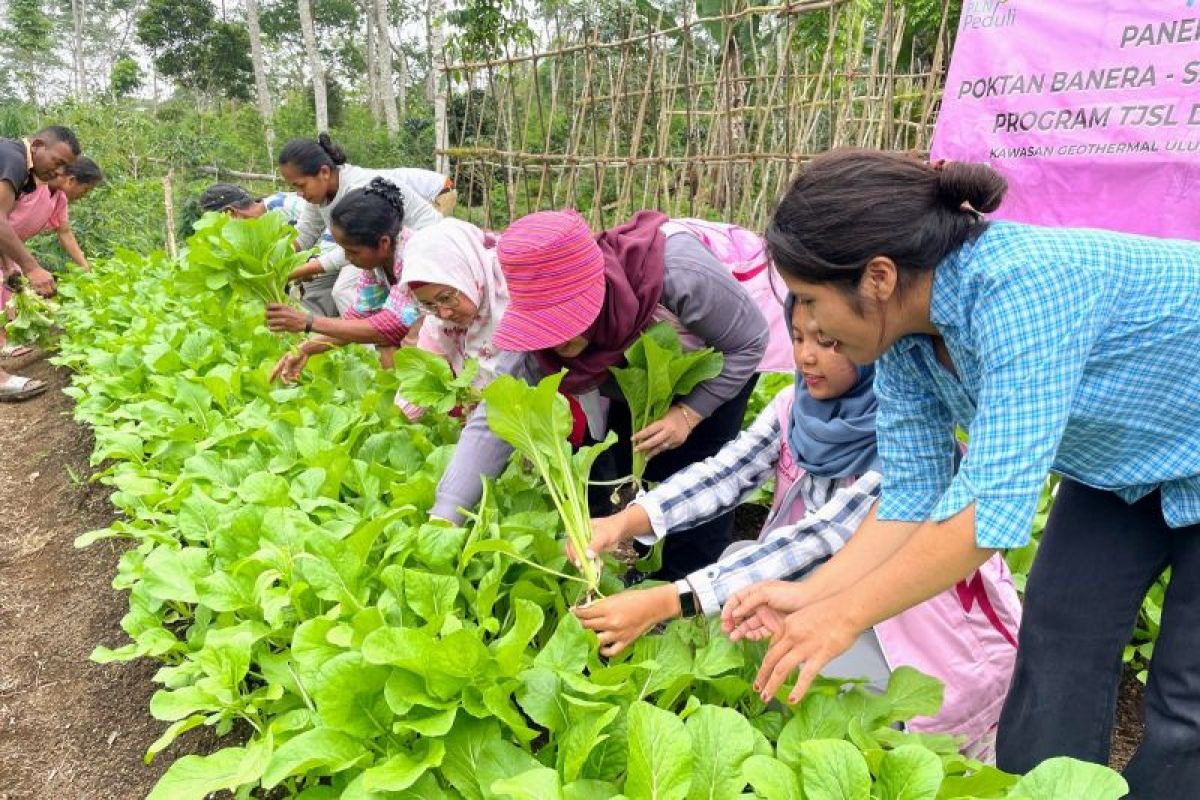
pixel 1054 349
pixel 817 441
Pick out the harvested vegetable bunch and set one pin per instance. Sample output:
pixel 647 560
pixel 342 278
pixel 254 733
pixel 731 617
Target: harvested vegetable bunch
pixel 658 371
pixel 251 256
pixel 536 421
pixel 34 319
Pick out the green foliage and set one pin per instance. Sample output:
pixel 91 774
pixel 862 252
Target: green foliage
pixel 282 570
pixel 34 320
pixel 125 78
pixel 426 380
pixel 193 47
pixel 536 421
pixel 657 371
pixel 488 29
pixel 252 256
pixel 27 43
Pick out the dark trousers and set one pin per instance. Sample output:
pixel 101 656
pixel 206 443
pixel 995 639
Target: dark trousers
pixel 1098 557
pixel 683 551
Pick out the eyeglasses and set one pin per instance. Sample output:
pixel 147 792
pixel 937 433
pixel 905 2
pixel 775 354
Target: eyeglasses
pixel 447 300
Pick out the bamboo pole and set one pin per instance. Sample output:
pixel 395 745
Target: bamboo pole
pixel 169 211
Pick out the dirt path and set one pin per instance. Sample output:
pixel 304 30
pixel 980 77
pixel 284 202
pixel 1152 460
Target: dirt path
pixel 69 729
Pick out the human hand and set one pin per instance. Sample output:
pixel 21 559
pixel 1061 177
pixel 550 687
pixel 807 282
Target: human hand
pixel 620 619
pixel 608 532
pixel 285 318
pixel 310 269
pixel 41 281
pixel 290 366
pixel 809 639
pixel 667 433
pixel 757 611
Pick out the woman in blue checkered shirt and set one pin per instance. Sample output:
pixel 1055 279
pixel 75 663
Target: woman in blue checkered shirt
pixel 1056 350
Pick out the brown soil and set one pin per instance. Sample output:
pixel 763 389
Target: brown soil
pixel 69 729
pixel 1127 732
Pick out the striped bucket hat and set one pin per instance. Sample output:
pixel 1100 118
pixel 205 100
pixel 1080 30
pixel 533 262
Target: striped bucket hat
pixel 555 275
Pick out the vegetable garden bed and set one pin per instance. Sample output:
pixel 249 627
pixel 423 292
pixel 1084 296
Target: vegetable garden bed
pixel 284 575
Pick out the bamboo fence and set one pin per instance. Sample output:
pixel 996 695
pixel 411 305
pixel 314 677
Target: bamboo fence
pixel 698 116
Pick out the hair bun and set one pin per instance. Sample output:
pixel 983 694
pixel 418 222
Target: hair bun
pixel 389 192
pixel 336 154
pixel 979 185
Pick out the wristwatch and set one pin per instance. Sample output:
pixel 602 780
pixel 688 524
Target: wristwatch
pixel 687 604
pixel 308 322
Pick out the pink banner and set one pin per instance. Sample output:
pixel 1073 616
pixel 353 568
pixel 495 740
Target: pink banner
pixel 1091 110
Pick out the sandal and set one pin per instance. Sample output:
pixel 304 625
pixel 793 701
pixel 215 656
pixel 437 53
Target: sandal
pixel 15 350
pixel 18 388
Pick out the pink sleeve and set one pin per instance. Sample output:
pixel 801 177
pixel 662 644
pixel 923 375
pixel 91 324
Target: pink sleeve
pixel 59 215
pixel 390 327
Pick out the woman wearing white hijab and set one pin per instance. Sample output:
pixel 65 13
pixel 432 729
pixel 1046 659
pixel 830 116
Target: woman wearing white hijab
pixel 452 274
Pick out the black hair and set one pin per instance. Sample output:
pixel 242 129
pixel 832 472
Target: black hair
pixel 309 156
pixel 849 206
pixel 59 133
pixel 85 171
pixel 221 196
pixel 371 212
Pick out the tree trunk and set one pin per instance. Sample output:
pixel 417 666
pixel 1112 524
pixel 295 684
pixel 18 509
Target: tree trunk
pixel 383 53
pixel 320 99
pixel 77 48
pixel 435 10
pixel 373 67
pixel 260 79
pixel 402 78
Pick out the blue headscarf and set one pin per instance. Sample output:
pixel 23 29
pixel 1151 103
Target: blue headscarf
pixel 834 438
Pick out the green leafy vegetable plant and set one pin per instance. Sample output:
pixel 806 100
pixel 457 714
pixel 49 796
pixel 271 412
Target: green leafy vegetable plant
pixel 428 381
pixel 281 569
pixel 657 371
pixel 536 421
pixel 252 256
pixel 34 320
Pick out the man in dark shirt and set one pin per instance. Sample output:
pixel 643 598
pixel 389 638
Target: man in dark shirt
pixel 43 155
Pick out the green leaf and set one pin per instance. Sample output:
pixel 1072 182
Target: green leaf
pixel 476 757
pixel 174 731
pixel 430 595
pixel 446 664
pixel 1065 779
pixel 831 769
pixel 590 790
pixel 909 773
pixel 185 701
pixel 722 740
pixel 265 489
pixel 984 782
pixel 819 716
pixel 581 738
pixel 771 778
pixel 568 648
pixel 348 694
pixel 913 694
pixel 660 755
pixel 426 379
pixel 321 751
pixel 195 777
pixel 402 770
pixel 509 649
pixel 542 697
pixel 171 573
pixel 537 784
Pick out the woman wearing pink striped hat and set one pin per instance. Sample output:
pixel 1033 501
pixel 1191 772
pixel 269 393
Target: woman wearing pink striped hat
pixel 578 300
